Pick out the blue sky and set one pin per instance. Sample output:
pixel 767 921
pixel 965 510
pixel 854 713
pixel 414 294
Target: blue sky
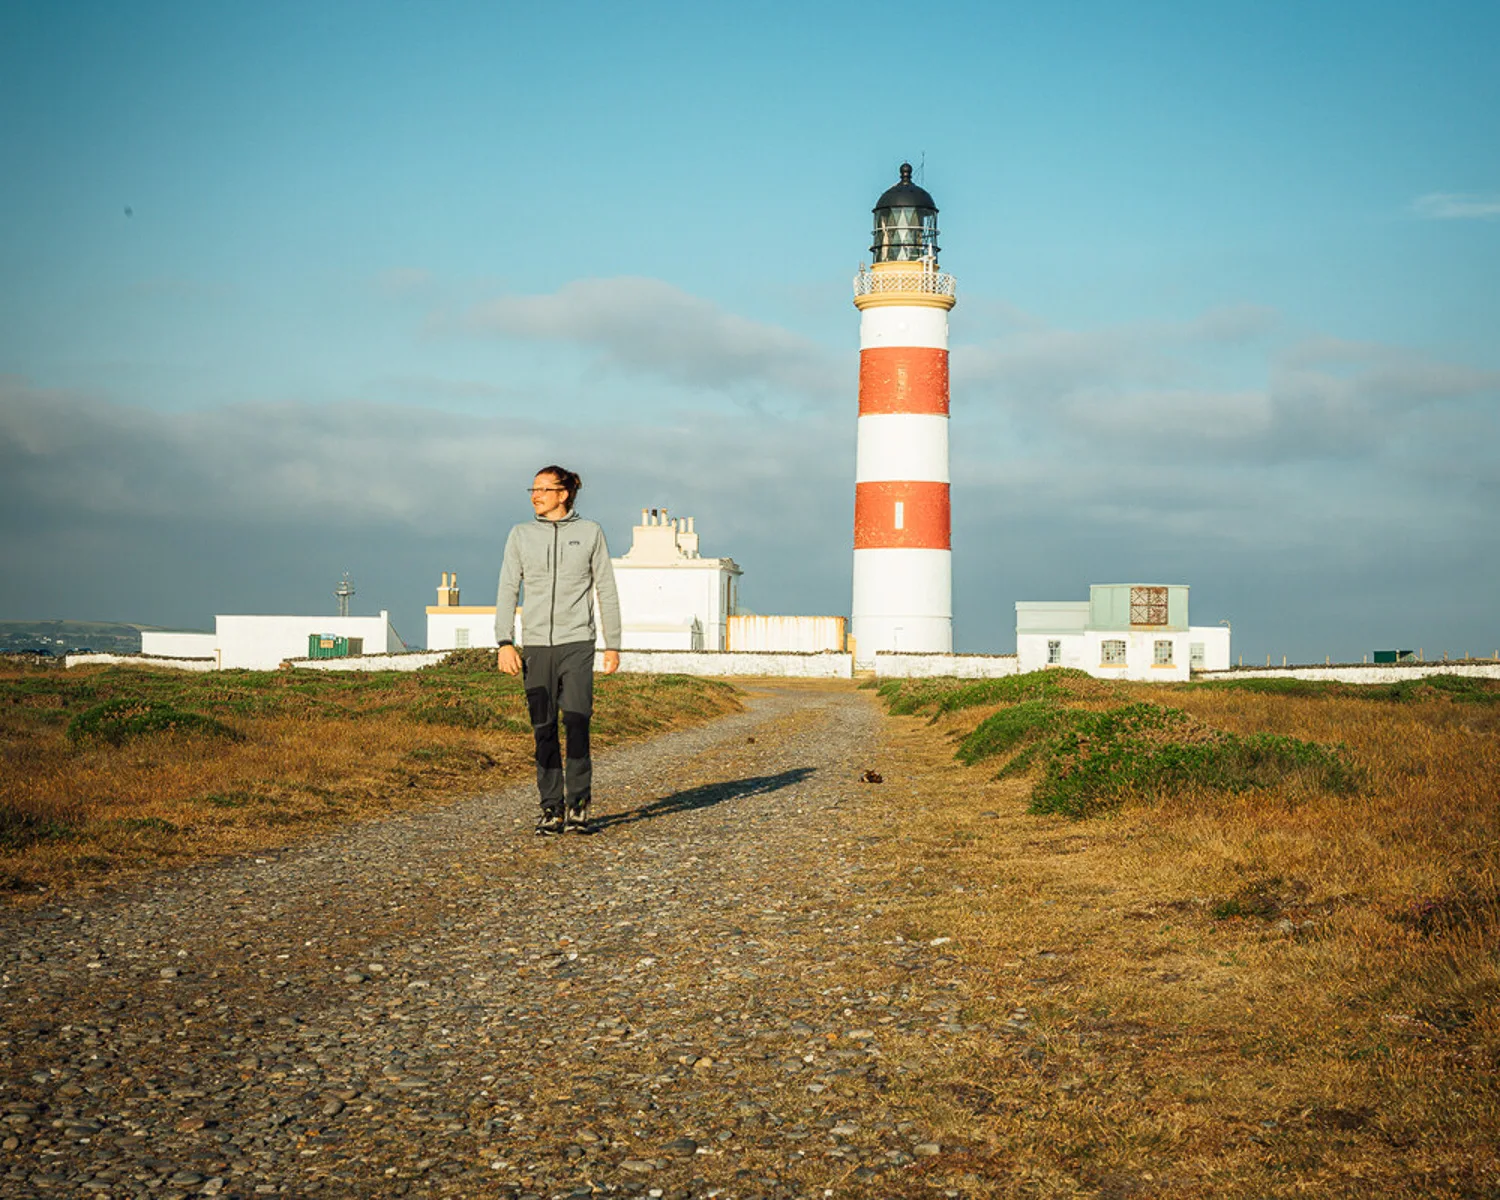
pixel 288 290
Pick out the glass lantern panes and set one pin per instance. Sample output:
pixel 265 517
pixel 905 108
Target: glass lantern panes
pixel 905 235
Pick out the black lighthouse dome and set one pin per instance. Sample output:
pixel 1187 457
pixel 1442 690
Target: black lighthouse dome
pixel 906 223
pixel 905 194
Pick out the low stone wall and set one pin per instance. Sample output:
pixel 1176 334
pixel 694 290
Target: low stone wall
pixel 823 665
pixel 890 664
pixel 141 660
pixel 1358 672
pixel 410 660
pixel 642 662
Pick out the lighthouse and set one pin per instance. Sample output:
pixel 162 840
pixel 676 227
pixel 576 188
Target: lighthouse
pixel 903 560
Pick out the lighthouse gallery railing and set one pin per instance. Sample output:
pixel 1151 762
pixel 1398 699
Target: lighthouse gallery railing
pixel 935 283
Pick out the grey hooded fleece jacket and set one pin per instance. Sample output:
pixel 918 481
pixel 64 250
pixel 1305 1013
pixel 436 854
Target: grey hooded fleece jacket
pixel 562 563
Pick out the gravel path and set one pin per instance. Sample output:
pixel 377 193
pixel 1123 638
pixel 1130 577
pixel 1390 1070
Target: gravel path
pixel 684 1004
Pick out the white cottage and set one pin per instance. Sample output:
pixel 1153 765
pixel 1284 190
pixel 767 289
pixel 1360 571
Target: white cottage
pixel 258 642
pixel 1122 631
pixel 671 598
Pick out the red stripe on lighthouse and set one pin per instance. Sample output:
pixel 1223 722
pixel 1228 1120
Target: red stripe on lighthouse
pixel 901 515
pixel 903 379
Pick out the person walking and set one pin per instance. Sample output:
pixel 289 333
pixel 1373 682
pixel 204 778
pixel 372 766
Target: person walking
pixel 562 561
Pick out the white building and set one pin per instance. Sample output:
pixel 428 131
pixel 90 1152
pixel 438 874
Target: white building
pixel 671 598
pixel 262 643
pixel 455 626
pixel 1122 631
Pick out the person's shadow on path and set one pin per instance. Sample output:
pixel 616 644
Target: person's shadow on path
pixel 705 796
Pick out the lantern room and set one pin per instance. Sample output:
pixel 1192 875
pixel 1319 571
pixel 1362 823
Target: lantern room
pixel 905 223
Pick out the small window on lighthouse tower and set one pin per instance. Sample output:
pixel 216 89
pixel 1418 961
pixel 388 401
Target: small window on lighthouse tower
pixel 900 514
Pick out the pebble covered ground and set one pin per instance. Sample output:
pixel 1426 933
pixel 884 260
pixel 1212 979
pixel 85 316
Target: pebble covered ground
pixel 687 1003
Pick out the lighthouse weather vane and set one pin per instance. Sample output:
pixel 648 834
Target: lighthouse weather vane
pixel 903 561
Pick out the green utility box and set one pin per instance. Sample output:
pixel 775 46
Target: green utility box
pixel 333 645
pixel 1395 656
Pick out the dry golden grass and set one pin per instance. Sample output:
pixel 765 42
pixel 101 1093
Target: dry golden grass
pixel 1265 993
pixel 313 751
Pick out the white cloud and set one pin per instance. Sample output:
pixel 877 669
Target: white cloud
pixel 649 328
pixel 1214 449
pixel 1172 417
pixel 1032 362
pixel 1457 206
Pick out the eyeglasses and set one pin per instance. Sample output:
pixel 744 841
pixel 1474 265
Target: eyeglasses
pixel 535 490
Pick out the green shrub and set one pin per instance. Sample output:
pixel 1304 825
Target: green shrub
pixel 903 697
pixel 1097 759
pixel 118 721
pixel 1011 727
pixel 677 681
pixel 1464 688
pixel 1275 685
pixel 473 658
pixel 1053 684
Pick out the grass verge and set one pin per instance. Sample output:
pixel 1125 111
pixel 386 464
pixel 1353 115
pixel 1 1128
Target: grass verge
pixel 110 771
pixel 1251 978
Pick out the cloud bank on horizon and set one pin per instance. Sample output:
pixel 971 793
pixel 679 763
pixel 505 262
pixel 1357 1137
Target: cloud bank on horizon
pixel 1310 489
pixel 1226 306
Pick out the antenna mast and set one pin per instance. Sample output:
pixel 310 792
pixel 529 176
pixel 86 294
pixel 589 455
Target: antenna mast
pixel 344 590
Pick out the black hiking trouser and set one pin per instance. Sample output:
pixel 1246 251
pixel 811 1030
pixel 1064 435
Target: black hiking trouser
pixel 560 684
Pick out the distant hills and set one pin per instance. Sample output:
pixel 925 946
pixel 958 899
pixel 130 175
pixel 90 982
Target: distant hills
pixel 68 637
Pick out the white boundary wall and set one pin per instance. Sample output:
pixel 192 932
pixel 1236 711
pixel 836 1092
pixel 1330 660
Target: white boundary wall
pixel 642 662
pixel 826 665
pixel 1359 673
pixel 141 660
pixel 894 664
pixel 411 660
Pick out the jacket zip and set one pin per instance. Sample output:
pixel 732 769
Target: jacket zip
pixel 556 568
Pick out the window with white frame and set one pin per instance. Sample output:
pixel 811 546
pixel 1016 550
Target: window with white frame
pixel 461 638
pixel 1054 653
pixel 1195 655
pixel 1161 652
pixel 1112 652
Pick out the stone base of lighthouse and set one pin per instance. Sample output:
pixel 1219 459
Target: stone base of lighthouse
pixel 903 601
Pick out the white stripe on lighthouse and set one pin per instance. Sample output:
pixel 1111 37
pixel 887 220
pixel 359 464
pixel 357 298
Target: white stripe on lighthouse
pixel 903 325
pixel 901 446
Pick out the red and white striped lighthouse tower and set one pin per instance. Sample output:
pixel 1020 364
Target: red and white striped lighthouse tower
pixel 903 561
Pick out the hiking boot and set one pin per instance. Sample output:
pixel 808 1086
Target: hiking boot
pixel 548 824
pixel 577 820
